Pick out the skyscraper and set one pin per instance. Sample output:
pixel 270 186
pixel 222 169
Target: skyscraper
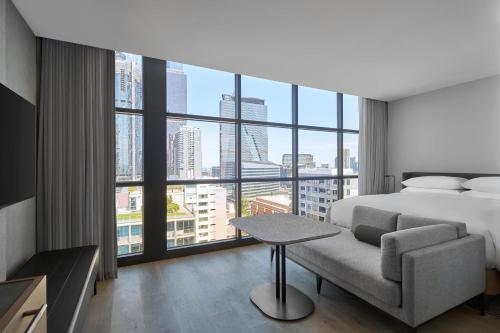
pixel 128 148
pixel 254 139
pixel 187 153
pixel 176 103
pixel 304 161
pixel 227 135
pixel 354 164
pixel 176 94
pixel 128 80
pixel 347 159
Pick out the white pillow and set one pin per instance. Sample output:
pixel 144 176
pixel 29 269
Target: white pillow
pixel 439 182
pixel 430 190
pixel 484 184
pixel 477 194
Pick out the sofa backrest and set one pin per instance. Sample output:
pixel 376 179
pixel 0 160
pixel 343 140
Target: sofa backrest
pixel 409 221
pixel 382 219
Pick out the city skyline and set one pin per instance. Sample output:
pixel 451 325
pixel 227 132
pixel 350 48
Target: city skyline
pixel 128 94
pixel 198 149
pixel 176 103
pixel 188 96
pixel 254 139
pixel 265 152
pixel 128 81
pixel 203 99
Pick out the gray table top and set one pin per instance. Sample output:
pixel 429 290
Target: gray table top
pixel 284 229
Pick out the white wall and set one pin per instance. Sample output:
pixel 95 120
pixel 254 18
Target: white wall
pixel 18 72
pixel 455 129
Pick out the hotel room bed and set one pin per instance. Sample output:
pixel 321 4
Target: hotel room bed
pixel 482 216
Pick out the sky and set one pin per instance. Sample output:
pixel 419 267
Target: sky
pixel 316 107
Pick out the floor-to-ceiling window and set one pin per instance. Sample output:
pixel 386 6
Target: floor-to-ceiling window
pixel 232 145
pixel 129 152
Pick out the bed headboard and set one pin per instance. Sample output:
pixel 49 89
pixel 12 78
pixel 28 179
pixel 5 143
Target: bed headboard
pixel 408 175
pixel 411 174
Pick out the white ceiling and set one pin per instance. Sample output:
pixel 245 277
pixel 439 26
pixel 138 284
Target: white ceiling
pixel 383 49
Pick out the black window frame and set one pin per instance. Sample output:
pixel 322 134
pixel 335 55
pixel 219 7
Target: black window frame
pixel 154 178
pixel 133 183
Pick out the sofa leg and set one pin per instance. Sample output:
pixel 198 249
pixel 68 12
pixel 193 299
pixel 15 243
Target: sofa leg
pixel 272 253
pixel 95 287
pixel 319 281
pixel 482 304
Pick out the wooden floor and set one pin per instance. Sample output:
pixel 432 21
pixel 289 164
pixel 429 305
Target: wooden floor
pixel 209 293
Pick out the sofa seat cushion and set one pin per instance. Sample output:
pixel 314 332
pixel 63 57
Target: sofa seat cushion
pixel 352 261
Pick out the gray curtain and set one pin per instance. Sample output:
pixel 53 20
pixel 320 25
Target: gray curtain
pixel 372 146
pixel 76 149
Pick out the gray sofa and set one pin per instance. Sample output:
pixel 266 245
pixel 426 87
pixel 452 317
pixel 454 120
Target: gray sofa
pixel 423 268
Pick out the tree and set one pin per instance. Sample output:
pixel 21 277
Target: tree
pixel 172 207
pixel 245 207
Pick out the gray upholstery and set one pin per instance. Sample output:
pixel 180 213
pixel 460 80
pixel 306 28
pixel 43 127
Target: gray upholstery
pixel 440 277
pixel 410 221
pixel 374 217
pixel 434 278
pixel 369 234
pixel 364 293
pixel 352 261
pixel 394 244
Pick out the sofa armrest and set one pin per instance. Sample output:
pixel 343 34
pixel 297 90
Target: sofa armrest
pixel 440 277
pixel 394 244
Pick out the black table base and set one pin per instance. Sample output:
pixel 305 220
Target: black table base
pixel 279 300
pixel 297 304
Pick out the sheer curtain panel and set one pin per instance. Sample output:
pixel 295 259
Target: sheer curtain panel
pixel 76 151
pixel 372 146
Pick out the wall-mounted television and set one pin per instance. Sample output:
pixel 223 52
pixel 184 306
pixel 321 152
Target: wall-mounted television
pixel 17 147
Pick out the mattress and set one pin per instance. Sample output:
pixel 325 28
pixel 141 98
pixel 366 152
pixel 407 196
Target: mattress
pixel 482 216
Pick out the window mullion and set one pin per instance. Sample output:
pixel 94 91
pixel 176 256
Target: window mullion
pixel 237 142
pixel 340 147
pixel 155 158
pixel 154 112
pixel 295 150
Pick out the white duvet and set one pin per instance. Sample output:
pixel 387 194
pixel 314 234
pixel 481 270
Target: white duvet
pixel 482 216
